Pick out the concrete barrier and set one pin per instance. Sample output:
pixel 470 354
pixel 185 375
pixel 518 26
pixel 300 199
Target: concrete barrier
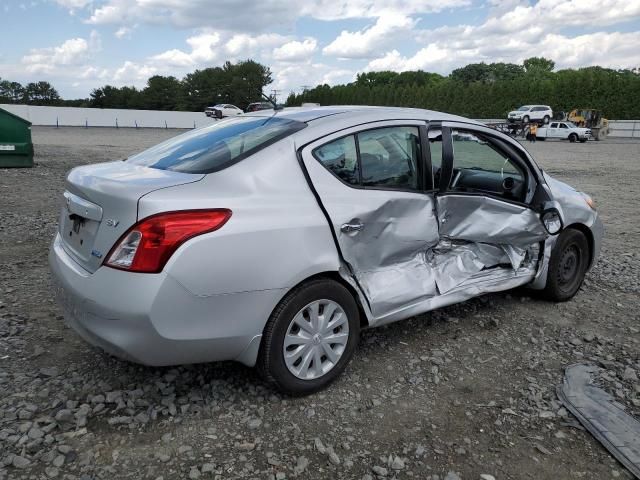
pixel 624 128
pixel 111 117
pixel 107 117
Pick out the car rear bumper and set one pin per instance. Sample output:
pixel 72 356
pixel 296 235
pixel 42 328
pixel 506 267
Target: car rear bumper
pixel 153 320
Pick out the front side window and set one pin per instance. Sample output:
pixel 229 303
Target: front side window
pixel 563 125
pixel 479 166
pixel 217 146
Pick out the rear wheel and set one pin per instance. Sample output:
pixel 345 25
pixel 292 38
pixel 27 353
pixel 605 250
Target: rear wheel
pixel 310 337
pixel 573 138
pixel 567 266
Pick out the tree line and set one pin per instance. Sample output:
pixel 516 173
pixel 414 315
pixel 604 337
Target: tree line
pixel 240 84
pixel 34 93
pixel 483 90
pixel 478 90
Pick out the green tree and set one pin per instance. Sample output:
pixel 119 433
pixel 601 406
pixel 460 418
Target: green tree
pixel 161 93
pixel 540 64
pixel 11 92
pixel 41 93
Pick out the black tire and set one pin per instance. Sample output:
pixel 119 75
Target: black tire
pixel 525 119
pixel 573 138
pixel 546 119
pixel 542 139
pixel 271 363
pixel 567 266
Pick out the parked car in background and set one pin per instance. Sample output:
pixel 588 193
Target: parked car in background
pixel 531 113
pixel 564 131
pixel 210 111
pixel 226 110
pixel 258 106
pixel 273 238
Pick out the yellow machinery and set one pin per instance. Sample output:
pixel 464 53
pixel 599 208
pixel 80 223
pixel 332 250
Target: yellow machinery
pixel 592 119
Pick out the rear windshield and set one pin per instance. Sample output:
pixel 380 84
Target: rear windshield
pixel 218 146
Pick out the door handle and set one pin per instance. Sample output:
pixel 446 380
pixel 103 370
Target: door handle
pixel 351 227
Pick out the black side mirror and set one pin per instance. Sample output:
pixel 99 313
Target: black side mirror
pixel 552 221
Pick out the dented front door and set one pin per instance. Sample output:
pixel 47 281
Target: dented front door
pixel 486 204
pixel 372 184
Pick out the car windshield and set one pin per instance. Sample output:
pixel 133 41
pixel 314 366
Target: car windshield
pixel 523 109
pixel 217 146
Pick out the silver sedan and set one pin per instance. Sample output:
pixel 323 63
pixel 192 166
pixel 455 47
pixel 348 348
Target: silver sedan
pixel 273 239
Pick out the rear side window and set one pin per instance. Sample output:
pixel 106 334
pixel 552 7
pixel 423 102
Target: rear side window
pixel 218 146
pixel 389 157
pixel 341 159
pixel 385 158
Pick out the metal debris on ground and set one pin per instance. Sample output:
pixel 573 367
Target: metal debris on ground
pixel 601 415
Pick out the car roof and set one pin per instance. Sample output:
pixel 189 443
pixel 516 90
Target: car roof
pixel 322 121
pixel 362 113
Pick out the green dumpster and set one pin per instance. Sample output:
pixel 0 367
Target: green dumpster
pixel 16 148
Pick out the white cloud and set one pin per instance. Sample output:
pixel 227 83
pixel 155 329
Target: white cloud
pixel 615 50
pixel 574 33
pixel 72 52
pixel 123 32
pixel 366 43
pixel 134 73
pixel 73 4
pixel 209 48
pixel 242 45
pixel 340 9
pixel 520 31
pixel 295 51
pixel 290 78
pixel 249 15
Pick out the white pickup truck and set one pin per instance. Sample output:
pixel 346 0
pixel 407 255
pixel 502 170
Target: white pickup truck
pixel 563 131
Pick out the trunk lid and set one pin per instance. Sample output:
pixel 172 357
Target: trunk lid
pixel 101 203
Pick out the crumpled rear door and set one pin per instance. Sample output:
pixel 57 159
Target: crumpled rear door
pixel 384 232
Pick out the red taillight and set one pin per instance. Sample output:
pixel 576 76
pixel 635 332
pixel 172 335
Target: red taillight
pixel 147 246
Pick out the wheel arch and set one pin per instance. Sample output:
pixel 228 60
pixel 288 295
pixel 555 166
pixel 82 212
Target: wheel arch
pixel 586 231
pixel 335 276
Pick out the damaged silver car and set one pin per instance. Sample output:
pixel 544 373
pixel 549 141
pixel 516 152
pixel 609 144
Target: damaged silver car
pixel 273 239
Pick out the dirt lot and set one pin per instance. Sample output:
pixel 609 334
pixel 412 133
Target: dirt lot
pixel 464 391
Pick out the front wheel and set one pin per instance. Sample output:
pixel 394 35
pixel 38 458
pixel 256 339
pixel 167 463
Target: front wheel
pixel 567 266
pixel 573 138
pixel 546 119
pixel 310 337
pixel 525 119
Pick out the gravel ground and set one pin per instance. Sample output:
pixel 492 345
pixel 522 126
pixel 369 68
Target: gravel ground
pixel 462 392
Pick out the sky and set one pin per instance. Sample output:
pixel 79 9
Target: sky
pixel 79 45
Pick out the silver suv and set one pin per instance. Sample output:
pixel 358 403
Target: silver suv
pixel 531 113
pixel 272 239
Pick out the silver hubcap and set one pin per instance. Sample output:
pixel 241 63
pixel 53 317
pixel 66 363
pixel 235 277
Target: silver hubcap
pixel 316 339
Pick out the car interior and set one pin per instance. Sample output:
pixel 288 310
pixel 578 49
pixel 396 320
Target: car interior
pixel 479 166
